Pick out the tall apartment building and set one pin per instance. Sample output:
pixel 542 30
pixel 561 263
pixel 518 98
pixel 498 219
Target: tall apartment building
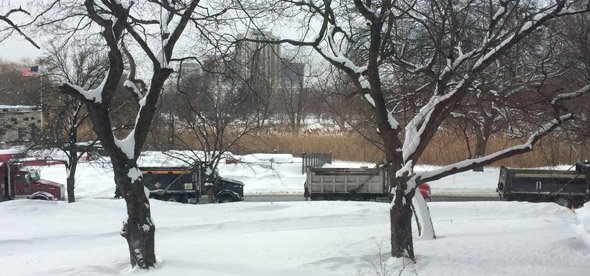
pixel 253 59
pixel 258 59
pixel 292 74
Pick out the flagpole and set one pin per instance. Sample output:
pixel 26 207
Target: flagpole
pixel 32 72
pixel 42 113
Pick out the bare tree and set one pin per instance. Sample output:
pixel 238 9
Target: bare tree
pixel 444 45
pixel 11 26
pixel 292 94
pixel 210 114
pixel 67 116
pixel 571 37
pixel 130 32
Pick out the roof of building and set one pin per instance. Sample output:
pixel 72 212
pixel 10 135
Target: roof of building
pixel 32 107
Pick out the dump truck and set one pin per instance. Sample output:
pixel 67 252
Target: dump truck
pixel 351 184
pixel 188 185
pixel 569 188
pixel 19 180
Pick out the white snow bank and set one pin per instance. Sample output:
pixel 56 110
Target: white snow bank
pixel 267 157
pixel 291 238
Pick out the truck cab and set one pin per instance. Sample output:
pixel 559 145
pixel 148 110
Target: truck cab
pixel 19 181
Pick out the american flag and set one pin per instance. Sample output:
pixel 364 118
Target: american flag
pixel 30 71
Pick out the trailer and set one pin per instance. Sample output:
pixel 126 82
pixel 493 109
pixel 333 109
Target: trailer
pixel 351 184
pixel 569 188
pixel 188 185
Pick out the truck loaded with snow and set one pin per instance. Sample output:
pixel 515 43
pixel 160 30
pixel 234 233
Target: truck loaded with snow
pixel 18 179
pixel 351 184
pixel 188 185
pixel 569 188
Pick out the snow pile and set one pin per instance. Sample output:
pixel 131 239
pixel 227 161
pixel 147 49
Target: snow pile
pixel 267 158
pixel 266 177
pixel 582 225
pixel 289 238
pixel 292 238
pixel 315 125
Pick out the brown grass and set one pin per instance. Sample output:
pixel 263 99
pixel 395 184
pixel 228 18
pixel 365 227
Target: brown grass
pixel 342 146
pixel 443 150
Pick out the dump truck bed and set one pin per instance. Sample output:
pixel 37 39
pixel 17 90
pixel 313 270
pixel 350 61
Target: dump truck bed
pixel 342 182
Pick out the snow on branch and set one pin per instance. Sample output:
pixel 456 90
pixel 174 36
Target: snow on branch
pixel 133 89
pixel 419 124
pixel 571 95
pixel 508 39
pixel 469 164
pixel 93 95
pixel 335 56
pixel 165 20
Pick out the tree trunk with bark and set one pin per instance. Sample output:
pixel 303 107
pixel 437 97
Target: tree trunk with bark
pixel 480 149
pixel 71 180
pixel 138 230
pixel 400 216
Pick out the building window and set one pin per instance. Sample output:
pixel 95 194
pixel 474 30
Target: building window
pixel 22 133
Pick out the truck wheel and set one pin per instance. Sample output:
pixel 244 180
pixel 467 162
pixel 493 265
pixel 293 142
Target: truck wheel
pixel 173 199
pixel 192 200
pixel 225 199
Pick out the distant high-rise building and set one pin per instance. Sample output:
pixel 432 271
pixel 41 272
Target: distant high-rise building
pixel 259 59
pixel 190 68
pixel 292 74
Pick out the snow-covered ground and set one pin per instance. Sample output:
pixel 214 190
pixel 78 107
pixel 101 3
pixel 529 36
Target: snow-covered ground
pixel 290 238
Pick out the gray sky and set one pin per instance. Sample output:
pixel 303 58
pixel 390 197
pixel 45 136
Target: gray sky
pixel 16 49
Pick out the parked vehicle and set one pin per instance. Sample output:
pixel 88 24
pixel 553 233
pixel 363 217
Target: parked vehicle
pixel 17 180
pixel 183 184
pixel 569 188
pixel 352 184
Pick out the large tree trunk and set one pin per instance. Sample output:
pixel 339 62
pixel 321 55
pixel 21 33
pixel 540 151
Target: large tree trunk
pixel 400 215
pixel 138 230
pixel 71 180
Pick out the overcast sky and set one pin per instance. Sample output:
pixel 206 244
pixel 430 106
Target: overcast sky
pixel 17 50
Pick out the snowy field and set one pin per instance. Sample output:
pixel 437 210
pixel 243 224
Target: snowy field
pixel 289 238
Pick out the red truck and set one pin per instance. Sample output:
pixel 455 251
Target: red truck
pixel 19 181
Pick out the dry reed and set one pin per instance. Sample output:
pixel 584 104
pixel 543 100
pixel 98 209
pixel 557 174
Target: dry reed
pixel 443 149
